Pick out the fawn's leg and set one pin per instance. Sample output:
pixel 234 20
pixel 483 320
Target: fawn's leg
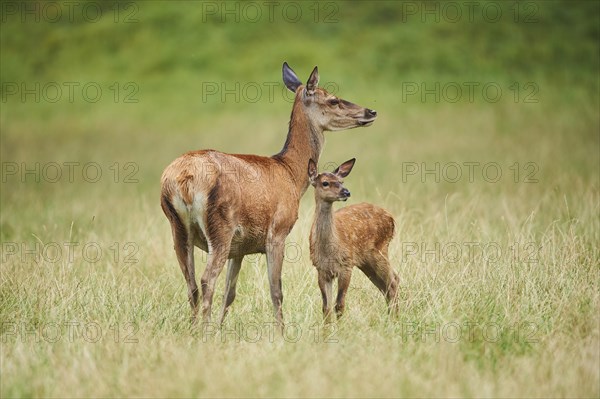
pixel 326 286
pixel 343 284
pixel 385 278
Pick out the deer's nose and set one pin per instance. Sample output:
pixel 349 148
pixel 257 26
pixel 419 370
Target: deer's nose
pixel 371 112
pixel 345 193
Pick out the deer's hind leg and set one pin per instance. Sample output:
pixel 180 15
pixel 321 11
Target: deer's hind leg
pixel 219 231
pixel 184 249
pixel 185 255
pixel 384 277
pixel 233 270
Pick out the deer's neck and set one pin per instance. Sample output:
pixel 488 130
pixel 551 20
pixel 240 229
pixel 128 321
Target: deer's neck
pixel 304 141
pixel 323 229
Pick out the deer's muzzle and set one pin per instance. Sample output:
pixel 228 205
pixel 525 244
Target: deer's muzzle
pixel 344 194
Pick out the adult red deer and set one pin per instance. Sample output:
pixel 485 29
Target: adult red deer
pixel 232 205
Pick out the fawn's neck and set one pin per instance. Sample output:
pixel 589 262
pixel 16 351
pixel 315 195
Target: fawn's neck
pixel 323 228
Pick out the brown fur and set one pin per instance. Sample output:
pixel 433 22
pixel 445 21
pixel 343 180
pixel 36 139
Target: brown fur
pixel 232 205
pixel 357 235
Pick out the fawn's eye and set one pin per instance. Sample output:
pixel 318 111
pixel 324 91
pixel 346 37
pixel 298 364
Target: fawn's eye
pixel 325 183
pixel 334 101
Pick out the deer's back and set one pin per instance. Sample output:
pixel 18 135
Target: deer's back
pixel 364 227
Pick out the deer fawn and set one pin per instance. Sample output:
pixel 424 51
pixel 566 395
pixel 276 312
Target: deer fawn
pixel 232 205
pixel 356 235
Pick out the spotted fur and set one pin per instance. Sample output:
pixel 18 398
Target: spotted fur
pixel 357 235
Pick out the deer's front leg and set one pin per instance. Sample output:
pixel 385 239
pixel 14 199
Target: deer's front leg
pixel 326 286
pixel 275 252
pixel 343 284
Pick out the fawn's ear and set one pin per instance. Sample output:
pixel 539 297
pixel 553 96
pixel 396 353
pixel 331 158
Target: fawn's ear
pixel 313 81
pixel 289 78
pixel 312 172
pixel 344 169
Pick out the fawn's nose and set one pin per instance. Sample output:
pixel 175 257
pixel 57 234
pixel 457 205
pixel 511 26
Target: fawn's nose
pixel 371 113
pixel 345 193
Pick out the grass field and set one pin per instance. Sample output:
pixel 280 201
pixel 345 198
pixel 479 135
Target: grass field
pixel 495 196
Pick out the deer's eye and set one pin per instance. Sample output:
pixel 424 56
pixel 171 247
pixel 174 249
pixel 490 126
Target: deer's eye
pixel 325 183
pixel 334 101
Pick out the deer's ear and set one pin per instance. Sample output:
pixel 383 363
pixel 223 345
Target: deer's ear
pixel 289 78
pixel 313 81
pixel 344 169
pixel 312 171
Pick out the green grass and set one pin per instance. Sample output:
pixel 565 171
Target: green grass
pixel 500 291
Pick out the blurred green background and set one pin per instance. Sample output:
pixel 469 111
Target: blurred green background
pixel 158 65
pixel 187 75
